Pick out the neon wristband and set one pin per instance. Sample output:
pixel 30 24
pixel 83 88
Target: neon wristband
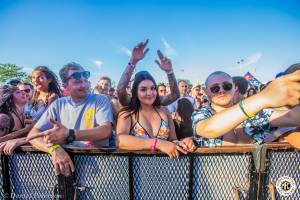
pixel 153 144
pixel 53 148
pixel 242 106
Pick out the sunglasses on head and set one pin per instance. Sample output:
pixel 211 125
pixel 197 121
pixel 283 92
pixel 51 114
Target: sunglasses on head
pixel 216 88
pixel 77 75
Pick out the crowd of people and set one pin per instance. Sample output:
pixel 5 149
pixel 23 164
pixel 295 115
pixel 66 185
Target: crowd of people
pixel 139 114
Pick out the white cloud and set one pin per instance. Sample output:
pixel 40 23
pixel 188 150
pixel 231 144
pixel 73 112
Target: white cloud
pixel 27 69
pixel 252 59
pixel 125 50
pixel 97 63
pixel 170 51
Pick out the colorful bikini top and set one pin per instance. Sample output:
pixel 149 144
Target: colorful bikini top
pixel 139 131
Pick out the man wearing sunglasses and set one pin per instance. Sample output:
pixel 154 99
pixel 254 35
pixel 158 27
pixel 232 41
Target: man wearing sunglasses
pixel 82 119
pixel 223 123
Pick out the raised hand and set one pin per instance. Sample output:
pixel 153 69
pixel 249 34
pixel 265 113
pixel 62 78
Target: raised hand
pixel 283 91
pixel 164 63
pixel 139 52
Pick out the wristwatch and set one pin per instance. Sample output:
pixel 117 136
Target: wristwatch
pixel 71 136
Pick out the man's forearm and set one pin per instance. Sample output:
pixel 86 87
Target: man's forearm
pixel 226 120
pixel 122 85
pixel 38 143
pixel 168 99
pixel 98 133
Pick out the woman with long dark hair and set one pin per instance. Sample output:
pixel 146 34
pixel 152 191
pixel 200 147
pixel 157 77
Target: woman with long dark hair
pixel 12 102
pixel 145 125
pixel 183 120
pixel 47 90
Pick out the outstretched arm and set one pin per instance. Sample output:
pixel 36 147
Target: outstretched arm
pixel 281 92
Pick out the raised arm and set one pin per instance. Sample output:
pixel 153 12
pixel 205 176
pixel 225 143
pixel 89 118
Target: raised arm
pixel 281 92
pixel 166 65
pixel 138 53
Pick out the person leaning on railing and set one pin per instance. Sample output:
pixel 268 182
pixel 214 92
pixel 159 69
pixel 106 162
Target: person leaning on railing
pixel 82 119
pixel 224 123
pixel 144 124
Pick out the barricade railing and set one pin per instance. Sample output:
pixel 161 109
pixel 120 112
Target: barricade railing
pixel 243 172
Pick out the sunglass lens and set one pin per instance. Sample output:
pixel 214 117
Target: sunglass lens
pixel 76 75
pixel 86 74
pixel 215 89
pixel 227 86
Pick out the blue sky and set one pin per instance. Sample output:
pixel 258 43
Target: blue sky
pixel 199 36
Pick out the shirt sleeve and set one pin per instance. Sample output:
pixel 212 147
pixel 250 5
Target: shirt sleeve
pixel 197 116
pixel 104 113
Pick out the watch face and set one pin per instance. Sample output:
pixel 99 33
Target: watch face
pixel 71 136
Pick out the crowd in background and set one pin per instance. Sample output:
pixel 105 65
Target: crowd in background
pixel 139 114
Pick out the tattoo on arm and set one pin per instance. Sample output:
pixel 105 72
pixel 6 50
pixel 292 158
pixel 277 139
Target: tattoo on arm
pixel 170 98
pixel 124 98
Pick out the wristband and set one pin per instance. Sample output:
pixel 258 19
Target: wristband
pixel 153 144
pixel 241 104
pixel 131 65
pixel 53 148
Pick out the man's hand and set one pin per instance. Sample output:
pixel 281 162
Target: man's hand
pixel 62 162
pixel 56 135
pixel 283 91
pixel 139 52
pixel 164 63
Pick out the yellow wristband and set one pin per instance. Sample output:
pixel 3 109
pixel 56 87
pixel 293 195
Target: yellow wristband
pixel 249 115
pixel 53 148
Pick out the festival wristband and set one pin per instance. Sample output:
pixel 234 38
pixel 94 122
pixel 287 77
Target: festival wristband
pixel 153 144
pixel 53 148
pixel 242 106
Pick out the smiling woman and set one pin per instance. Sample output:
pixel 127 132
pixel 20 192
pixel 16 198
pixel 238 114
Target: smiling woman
pixel 143 124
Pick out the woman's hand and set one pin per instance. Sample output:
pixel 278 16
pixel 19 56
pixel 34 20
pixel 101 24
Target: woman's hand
pixel 139 52
pixel 187 144
pixel 9 146
pixel 164 63
pixel 170 148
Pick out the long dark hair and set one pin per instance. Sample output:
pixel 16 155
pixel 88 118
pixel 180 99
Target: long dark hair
pixel 53 85
pixel 185 110
pixel 9 107
pixel 135 103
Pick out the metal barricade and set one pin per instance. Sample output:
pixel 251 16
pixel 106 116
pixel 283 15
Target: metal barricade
pixel 209 173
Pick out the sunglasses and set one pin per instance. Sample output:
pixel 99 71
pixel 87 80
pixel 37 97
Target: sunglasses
pixel 77 75
pixel 216 88
pixel 26 90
